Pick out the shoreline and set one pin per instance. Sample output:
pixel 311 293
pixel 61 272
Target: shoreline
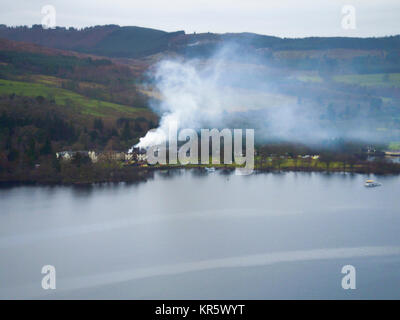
pixel 142 174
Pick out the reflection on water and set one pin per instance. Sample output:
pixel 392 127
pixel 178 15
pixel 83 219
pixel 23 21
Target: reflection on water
pixel 203 235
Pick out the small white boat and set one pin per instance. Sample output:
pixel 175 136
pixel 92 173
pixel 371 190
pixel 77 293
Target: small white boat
pixel 371 184
pixel 212 169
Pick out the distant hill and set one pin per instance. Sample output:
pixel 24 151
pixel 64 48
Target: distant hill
pixel 136 42
pixel 109 40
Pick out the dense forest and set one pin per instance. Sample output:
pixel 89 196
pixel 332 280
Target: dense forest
pixel 32 130
pixel 134 42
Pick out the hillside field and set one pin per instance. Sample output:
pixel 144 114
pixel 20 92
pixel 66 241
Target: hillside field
pixel 69 99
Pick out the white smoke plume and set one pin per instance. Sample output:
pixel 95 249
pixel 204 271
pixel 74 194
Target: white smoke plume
pixel 190 96
pixel 235 89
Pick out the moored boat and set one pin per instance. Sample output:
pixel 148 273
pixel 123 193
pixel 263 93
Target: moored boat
pixel 371 183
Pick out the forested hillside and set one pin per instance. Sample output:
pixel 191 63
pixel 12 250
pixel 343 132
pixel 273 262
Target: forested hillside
pixel 110 40
pixel 131 42
pixel 70 89
pixel 54 100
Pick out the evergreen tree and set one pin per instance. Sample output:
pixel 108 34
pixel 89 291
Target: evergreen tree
pixel 46 149
pixel 126 131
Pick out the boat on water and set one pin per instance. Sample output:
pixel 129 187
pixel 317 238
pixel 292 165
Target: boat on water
pixel 212 169
pixel 372 183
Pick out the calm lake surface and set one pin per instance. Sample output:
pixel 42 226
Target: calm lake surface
pixel 194 235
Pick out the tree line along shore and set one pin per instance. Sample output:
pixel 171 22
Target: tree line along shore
pixel 80 170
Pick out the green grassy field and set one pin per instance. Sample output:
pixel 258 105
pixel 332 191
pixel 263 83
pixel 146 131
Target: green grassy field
pixel 368 80
pixel 374 80
pixel 68 99
pixel 394 145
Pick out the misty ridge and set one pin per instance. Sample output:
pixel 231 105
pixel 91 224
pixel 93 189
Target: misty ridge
pixel 233 86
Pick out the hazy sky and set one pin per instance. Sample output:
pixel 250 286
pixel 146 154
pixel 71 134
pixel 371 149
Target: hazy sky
pixel 288 18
